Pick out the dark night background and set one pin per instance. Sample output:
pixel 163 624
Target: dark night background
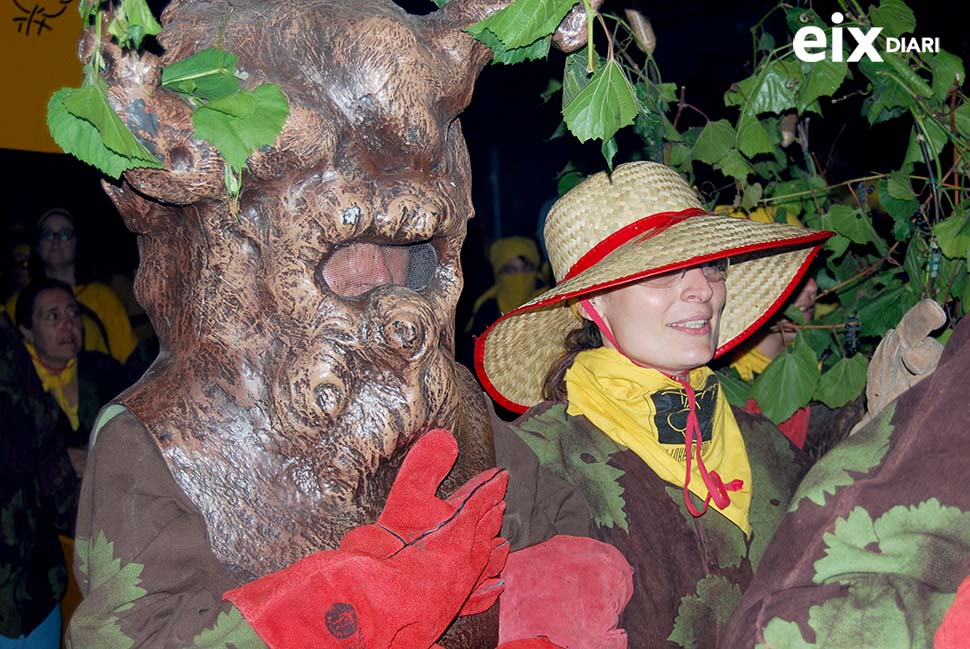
pixel 703 45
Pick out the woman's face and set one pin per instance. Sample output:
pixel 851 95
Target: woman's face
pixel 57 245
pixel 56 327
pixel 672 328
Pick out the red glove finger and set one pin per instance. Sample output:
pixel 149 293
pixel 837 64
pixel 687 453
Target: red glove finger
pixel 463 492
pixel 412 507
pixel 489 585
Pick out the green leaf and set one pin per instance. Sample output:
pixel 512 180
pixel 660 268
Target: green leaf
pixel 240 123
pixel 888 93
pixel 953 235
pixel 894 16
pixel 733 164
pixel 884 309
pixel 714 142
pixel 900 186
pixel 962 118
pixel 788 382
pixel 771 90
pixel 609 149
pixel 822 80
pixel 208 75
pixel 81 139
pixel 736 390
pixel 753 138
pixel 83 125
pixel 935 141
pixel 575 77
pixel 603 107
pixel 512 55
pixel 900 210
pixel 752 194
pixel 947 70
pixel 843 382
pixel 141 21
pixel 837 245
pixel 852 224
pixel 524 22
pixel 856 454
pixel 703 613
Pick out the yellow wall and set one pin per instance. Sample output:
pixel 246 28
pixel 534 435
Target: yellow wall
pixel 38 55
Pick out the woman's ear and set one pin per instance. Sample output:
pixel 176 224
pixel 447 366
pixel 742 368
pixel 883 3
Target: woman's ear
pixel 26 333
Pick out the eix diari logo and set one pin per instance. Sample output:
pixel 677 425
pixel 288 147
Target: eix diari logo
pixel 811 43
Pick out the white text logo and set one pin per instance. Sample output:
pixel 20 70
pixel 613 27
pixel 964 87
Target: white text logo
pixel 811 43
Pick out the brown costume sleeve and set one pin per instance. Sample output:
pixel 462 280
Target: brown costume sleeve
pixel 539 504
pixel 142 559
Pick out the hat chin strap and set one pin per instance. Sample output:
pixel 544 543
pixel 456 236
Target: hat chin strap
pixel 717 490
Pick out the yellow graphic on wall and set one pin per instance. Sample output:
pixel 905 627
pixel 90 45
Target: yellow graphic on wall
pixel 38 52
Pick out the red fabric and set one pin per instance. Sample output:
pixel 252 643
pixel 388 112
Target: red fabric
pixel 954 633
pixel 568 589
pixel 795 428
pixel 401 581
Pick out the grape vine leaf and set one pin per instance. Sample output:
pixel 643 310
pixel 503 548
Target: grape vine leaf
pixel 788 382
pixel 524 22
pixel 209 74
pixel 843 382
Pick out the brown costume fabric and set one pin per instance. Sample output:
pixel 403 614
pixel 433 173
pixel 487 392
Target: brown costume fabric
pixel 688 572
pixel 877 538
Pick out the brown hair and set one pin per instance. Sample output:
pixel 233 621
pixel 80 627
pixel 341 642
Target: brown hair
pixel 585 337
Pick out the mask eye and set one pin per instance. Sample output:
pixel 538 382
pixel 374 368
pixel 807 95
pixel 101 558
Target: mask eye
pixel 356 268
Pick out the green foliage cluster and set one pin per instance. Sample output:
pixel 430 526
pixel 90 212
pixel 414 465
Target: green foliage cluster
pixel 235 121
pixel 901 234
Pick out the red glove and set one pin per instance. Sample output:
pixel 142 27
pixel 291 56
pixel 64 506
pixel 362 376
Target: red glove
pixel 399 582
pixel 955 629
pixel 568 589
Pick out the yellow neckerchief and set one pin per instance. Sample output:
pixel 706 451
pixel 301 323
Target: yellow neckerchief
pixel 750 362
pixel 620 398
pixel 54 381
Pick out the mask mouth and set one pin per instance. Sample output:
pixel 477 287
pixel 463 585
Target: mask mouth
pixel 356 268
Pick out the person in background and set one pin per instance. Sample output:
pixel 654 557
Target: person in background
pixel 38 500
pixel 79 381
pixel 515 263
pixel 106 325
pixel 627 436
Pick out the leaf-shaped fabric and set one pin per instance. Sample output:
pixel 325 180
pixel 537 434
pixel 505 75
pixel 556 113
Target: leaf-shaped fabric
pixel 909 541
pixel 859 453
pixel 579 458
pixel 231 631
pixel 704 612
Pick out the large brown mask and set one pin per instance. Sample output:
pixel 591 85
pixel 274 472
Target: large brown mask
pixel 307 339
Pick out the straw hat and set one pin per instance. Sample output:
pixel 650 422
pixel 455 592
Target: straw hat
pixel 640 221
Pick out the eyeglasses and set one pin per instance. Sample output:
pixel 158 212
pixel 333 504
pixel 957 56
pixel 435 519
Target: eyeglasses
pixel 715 271
pixel 60 235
